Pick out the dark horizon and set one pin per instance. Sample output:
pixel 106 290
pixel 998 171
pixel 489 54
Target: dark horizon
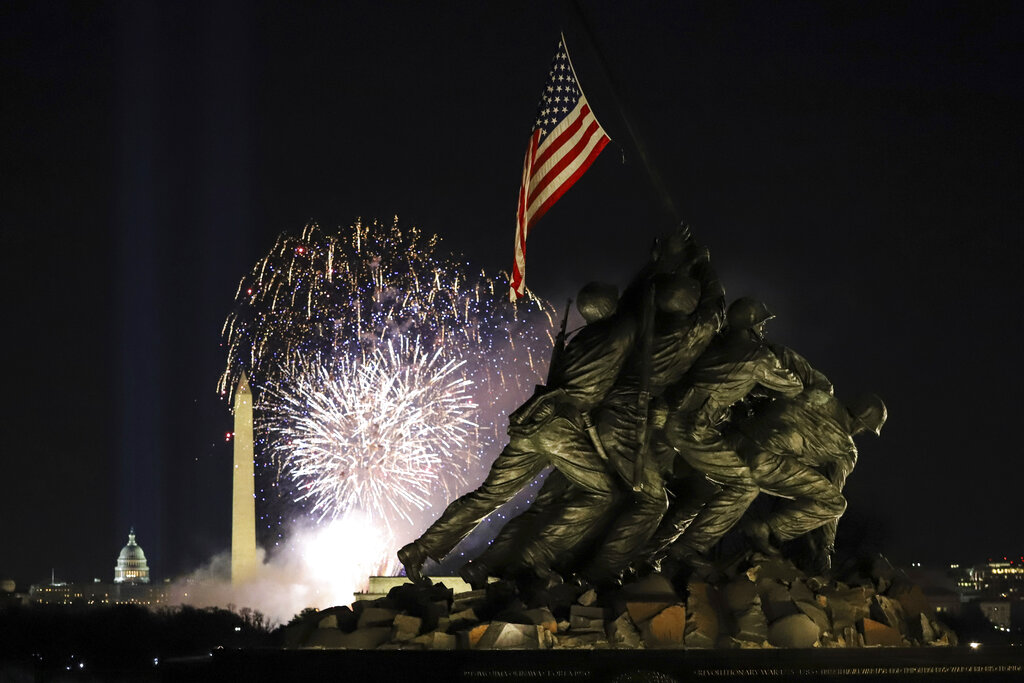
pixel 857 167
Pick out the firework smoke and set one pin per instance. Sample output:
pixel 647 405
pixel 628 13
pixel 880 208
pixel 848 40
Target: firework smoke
pixel 317 568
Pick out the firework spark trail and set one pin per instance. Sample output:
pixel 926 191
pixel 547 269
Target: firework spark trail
pixel 349 292
pixel 380 434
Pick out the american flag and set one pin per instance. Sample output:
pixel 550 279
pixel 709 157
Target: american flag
pixel 566 139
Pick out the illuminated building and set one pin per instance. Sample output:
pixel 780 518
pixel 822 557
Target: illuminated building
pixel 131 585
pixel 97 593
pixel 993 579
pixel 131 563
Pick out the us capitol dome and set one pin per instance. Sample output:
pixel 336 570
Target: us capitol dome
pixel 131 563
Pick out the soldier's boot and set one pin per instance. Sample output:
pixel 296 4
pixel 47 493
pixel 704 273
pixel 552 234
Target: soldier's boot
pixel 820 562
pixel 412 557
pixel 683 560
pixel 475 573
pixel 760 536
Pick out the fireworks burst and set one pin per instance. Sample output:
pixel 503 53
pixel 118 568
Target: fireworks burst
pixel 380 435
pixel 349 293
pixel 370 351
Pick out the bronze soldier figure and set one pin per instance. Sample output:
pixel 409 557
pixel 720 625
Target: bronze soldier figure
pixel 549 430
pixel 684 326
pixel 736 363
pixel 802 449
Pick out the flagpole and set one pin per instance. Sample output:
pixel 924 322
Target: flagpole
pixel 652 173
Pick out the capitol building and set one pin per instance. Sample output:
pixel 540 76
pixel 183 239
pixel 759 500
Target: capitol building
pixel 131 563
pixel 131 585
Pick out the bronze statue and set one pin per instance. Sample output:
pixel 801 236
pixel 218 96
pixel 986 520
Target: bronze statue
pixel 650 397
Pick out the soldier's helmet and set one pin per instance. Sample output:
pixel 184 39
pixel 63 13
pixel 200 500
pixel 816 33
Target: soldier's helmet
pixel 869 411
pixel 676 293
pixel 597 300
pixel 745 312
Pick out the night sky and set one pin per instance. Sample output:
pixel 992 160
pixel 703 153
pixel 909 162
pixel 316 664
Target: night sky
pixel 859 167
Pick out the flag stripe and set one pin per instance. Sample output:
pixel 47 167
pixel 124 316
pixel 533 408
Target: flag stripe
pixel 580 170
pixel 564 132
pixel 522 230
pixel 565 140
pixel 556 172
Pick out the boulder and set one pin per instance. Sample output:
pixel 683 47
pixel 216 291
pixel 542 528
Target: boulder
pixel 776 568
pixel 622 633
pixel 436 640
pixel 376 616
pixel 911 599
pixel 405 628
pixel 338 617
pixel 542 616
pixel 666 629
pixel 943 634
pixel 473 636
pixel 363 638
pixel 327 639
pixel 776 602
pixel 702 623
pixel 458 621
pixel 883 573
pixel 847 606
pixel 651 588
pixel 798 591
pixel 876 633
pixel 468 600
pixel 751 624
pixel 588 598
pixel 427 602
pixel 640 612
pixel 296 635
pixel 816 613
pixel 646 597
pixel 851 637
pixel 795 630
pixel 586 619
pixel 560 598
pixel 926 631
pixel 889 612
pixel 739 594
pixel 501 635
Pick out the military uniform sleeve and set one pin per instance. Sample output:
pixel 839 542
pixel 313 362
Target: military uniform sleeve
pixel 593 358
pixel 711 307
pixel 798 365
pixel 771 375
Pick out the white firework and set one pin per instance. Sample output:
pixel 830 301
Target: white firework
pixel 382 434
